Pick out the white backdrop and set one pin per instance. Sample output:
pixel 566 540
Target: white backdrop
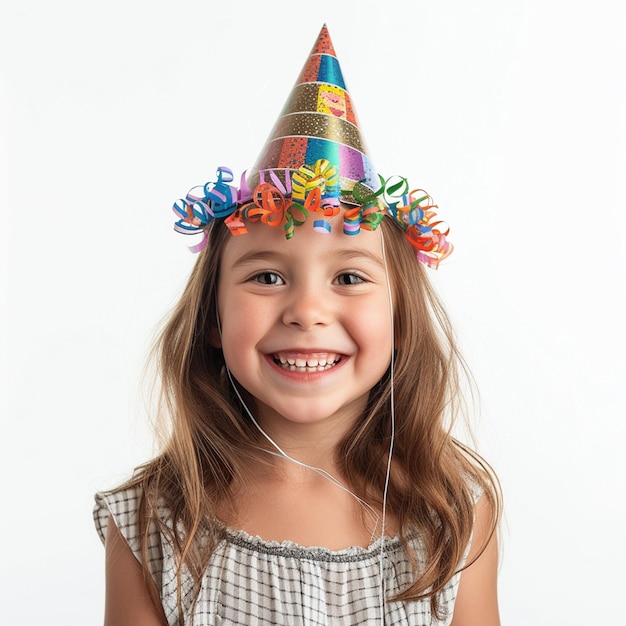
pixel 511 114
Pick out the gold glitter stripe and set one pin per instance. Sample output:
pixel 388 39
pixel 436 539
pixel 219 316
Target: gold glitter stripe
pixel 319 125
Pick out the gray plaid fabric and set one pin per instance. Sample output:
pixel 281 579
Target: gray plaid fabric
pixel 251 582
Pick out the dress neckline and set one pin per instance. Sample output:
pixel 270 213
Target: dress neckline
pixel 287 548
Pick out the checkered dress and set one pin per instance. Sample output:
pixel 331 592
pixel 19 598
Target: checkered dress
pixel 252 582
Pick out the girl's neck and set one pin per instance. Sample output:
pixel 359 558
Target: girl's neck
pixel 298 492
pixel 309 444
pixel 281 501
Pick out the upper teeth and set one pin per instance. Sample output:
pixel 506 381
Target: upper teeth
pixel 297 362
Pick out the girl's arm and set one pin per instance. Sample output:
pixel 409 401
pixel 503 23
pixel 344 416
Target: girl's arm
pixel 477 598
pixel 128 601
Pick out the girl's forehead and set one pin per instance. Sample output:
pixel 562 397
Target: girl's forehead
pixel 265 240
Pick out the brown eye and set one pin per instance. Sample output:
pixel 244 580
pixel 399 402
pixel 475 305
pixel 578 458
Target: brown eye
pixel 268 278
pixel 350 279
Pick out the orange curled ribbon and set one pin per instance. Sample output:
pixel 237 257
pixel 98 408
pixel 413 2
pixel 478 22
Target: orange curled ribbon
pixel 235 223
pixel 268 205
pixel 430 243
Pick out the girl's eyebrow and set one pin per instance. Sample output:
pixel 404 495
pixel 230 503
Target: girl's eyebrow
pixel 258 255
pixel 359 253
pixel 272 255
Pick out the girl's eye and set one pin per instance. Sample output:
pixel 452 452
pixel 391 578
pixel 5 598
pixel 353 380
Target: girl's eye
pixel 350 279
pixel 268 278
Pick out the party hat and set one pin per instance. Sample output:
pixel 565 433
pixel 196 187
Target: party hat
pixel 318 122
pixel 312 165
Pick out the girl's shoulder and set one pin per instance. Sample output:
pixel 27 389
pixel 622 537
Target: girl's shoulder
pixel 122 505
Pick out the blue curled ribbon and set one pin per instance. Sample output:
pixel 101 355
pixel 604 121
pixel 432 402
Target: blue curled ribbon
pixel 218 200
pixel 194 215
pixel 222 197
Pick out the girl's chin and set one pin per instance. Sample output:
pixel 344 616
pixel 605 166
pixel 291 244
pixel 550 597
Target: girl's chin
pixel 309 414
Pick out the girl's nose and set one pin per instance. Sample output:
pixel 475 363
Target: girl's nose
pixel 307 308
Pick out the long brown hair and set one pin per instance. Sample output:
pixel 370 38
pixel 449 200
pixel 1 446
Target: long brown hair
pixel 434 478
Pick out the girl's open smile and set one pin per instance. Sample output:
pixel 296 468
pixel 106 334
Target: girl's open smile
pixel 306 363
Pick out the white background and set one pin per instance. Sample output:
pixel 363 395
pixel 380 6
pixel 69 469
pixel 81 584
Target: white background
pixel 511 114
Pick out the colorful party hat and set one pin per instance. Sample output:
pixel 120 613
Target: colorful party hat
pixel 318 122
pixel 313 166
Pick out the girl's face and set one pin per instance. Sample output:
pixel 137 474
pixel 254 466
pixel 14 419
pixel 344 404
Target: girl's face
pixel 305 322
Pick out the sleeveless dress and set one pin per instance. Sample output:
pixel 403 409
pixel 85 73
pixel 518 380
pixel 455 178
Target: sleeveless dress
pixel 253 582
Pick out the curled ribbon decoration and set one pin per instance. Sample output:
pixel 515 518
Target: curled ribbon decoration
pixel 414 211
pixel 321 175
pixel 368 214
pixel 196 212
pixel 223 197
pixel 194 215
pixel 268 205
pixel 316 189
pixel 290 199
pixel 411 210
pixel 310 189
pixel 235 223
pixel 431 243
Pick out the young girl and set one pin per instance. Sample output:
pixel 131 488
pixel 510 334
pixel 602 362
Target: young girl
pixel 310 375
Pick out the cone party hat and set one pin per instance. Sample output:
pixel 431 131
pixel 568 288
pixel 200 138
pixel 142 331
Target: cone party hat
pixel 318 122
pixel 314 166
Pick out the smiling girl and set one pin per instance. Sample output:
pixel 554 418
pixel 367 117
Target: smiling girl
pixel 310 375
